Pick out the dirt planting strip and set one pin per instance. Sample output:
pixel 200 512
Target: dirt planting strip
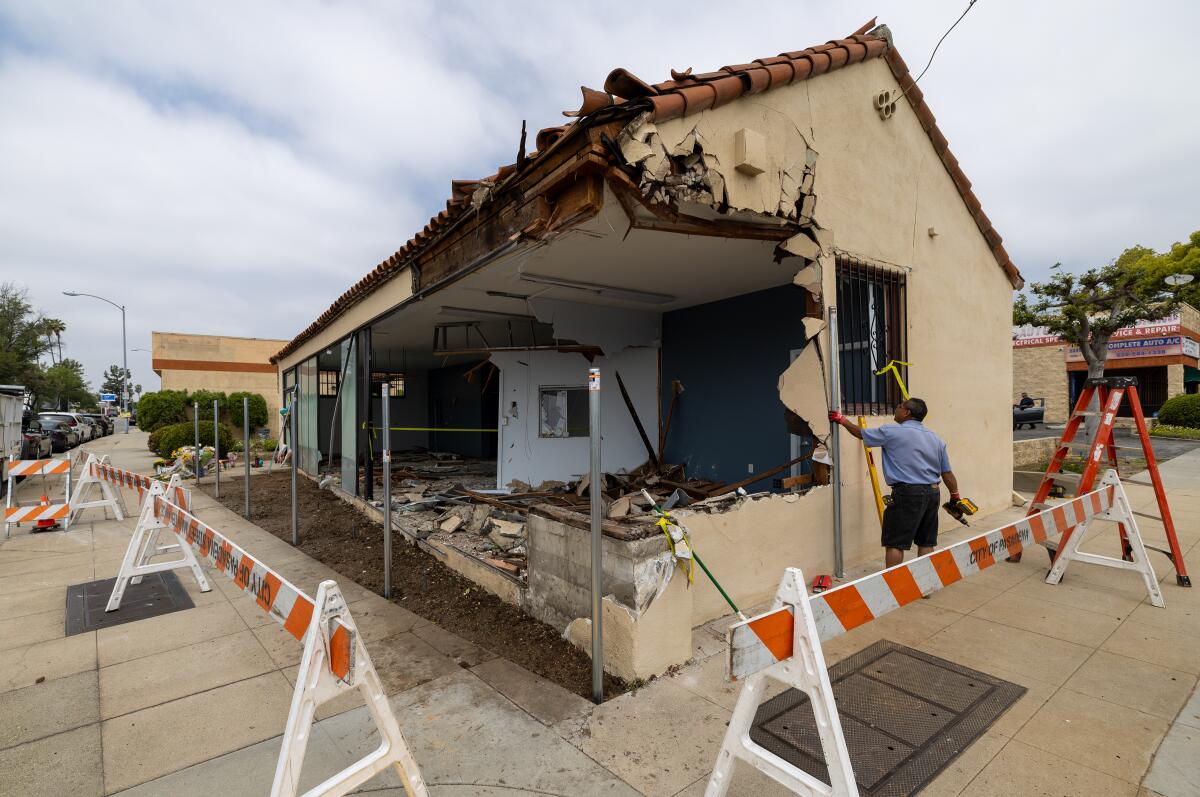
pixel 338 535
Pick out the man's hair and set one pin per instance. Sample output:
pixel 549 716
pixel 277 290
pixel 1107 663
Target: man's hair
pixel 917 408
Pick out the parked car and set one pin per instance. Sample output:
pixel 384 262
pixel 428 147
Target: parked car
pixel 62 436
pixel 102 423
pixel 1030 416
pixel 35 444
pixel 82 429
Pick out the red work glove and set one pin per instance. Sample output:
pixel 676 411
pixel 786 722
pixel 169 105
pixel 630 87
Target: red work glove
pixel 836 417
pixel 955 497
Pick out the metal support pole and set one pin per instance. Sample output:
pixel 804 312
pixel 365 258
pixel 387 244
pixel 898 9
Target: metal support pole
pixel 293 453
pixel 835 404
pixel 595 489
pixel 196 423
pixel 387 490
pixel 124 376
pixel 246 449
pixel 217 448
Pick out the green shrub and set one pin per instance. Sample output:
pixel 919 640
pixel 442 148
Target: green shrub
pixel 165 440
pixel 1162 430
pixel 155 410
pixel 258 409
pixel 1181 411
pixel 269 444
pixel 205 399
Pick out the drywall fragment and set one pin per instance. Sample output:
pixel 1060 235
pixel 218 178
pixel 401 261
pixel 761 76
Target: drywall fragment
pixel 635 152
pixel 620 507
pixel 809 278
pixel 813 327
pixel 802 246
pixel 802 390
pixel 451 523
pixel 807 206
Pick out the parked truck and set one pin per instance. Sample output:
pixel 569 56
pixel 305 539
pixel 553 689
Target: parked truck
pixel 12 404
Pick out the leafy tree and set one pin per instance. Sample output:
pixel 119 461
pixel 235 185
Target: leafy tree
pixel 112 380
pixel 258 409
pixel 1182 258
pixel 161 408
pixel 22 341
pixel 1086 309
pixel 66 386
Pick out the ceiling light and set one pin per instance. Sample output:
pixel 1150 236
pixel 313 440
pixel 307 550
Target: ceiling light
pixel 470 311
pixel 602 290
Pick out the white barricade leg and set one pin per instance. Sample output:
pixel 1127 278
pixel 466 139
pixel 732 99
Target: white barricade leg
pixel 1119 512
pixel 143 546
pixel 151 548
pixel 326 646
pixel 803 670
pixel 83 488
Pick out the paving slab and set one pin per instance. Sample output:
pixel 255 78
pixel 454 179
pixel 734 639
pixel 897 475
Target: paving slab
pixel 63 764
pixel 17 632
pixel 545 700
pixel 1022 769
pixel 1133 683
pixel 76 702
pixel 166 632
pixel 1176 766
pixel 56 658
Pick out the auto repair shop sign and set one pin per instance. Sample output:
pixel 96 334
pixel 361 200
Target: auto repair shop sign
pixel 1140 347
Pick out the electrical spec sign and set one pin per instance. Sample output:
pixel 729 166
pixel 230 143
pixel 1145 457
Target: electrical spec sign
pixel 1139 347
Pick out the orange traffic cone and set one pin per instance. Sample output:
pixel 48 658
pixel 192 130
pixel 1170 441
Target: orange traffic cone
pixel 46 525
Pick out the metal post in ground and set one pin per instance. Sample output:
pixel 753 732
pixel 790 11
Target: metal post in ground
pixel 292 452
pixel 217 448
pixel 835 471
pixel 387 490
pixel 595 489
pixel 196 421
pixel 246 449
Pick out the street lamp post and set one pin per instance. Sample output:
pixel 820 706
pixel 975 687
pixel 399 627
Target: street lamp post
pixel 124 354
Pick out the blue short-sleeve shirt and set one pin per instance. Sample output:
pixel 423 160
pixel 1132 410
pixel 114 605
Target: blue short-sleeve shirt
pixel 911 453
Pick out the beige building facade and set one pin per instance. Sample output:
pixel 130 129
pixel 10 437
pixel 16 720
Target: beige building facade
pixel 218 362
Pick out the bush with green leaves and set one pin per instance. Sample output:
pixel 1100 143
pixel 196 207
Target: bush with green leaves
pixel 1181 411
pixel 1181 432
pixel 205 399
pixel 165 440
pixel 161 408
pixel 258 409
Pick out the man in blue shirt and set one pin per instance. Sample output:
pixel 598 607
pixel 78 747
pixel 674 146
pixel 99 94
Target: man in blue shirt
pixel 914 461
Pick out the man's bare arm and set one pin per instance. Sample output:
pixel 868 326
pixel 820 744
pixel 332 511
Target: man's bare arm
pixel 951 483
pixel 847 424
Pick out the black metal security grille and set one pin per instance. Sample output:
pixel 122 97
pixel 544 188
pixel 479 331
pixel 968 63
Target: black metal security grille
pixel 871 304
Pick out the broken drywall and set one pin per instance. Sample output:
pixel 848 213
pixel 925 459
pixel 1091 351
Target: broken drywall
pixel 613 329
pixel 802 389
pixel 705 159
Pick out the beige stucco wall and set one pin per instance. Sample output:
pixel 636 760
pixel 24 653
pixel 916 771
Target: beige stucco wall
pixel 1041 371
pixel 1175 384
pixel 167 346
pixel 382 299
pixel 879 188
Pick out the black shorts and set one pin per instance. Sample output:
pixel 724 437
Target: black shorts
pixel 911 516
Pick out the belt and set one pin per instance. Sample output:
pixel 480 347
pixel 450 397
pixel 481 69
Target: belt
pixel 907 485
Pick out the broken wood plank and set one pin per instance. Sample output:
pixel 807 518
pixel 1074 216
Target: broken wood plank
pixel 484 499
pixel 676 389
pixel 797 481
pixel 729 488
pixel 637 421
pixel 582 521
pixel 691 489
pixel 500 564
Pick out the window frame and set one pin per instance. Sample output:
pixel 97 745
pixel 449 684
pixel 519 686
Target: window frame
pixel 878 319
pixel 586 421
pixel 321 382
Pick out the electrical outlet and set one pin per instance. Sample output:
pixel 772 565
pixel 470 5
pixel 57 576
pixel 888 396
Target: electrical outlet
pixel 750 468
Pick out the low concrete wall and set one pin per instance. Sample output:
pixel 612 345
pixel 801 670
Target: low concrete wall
pixel 1033 452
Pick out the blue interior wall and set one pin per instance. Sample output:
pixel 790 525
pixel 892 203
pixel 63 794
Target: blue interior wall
pixel 729 355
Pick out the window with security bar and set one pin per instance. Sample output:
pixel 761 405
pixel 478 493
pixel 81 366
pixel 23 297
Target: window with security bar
pixel 871 333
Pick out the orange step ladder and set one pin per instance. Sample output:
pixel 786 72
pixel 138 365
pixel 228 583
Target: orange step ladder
pixel 1111 391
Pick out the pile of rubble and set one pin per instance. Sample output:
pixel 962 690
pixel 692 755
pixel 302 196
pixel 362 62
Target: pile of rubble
pixel 453 500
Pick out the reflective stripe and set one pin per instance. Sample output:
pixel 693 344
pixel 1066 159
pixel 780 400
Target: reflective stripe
pixel 850 605
pixel 20 514
pixel 38 467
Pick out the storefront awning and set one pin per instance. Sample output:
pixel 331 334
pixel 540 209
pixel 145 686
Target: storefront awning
pixel 1191 374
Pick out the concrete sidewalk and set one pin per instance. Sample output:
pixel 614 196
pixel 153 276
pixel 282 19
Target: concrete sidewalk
pixel 192 703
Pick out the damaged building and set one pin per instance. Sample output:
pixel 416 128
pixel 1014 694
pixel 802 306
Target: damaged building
pixel 688 238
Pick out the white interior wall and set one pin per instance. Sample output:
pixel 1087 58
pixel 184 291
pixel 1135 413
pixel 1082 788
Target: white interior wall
pixel 532 459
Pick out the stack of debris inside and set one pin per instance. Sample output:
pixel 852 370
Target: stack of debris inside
pixel 453 500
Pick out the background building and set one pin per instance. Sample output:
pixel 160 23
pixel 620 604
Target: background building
pixel 218 362
pixel 1164 355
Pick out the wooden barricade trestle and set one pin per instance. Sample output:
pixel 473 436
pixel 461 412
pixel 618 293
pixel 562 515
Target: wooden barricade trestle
pixel 46 510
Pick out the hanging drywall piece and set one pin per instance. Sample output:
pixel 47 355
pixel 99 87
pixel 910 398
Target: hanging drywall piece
pixel 613 329
pixel 809 278
pixel 802 246
pixel 813 327
pixel 802 390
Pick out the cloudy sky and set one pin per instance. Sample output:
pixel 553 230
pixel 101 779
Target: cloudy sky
pixel 231 168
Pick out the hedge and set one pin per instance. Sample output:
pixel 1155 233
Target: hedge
pixel 258 409
pixel 165 440
pixel 1181 411
pixel 205 399
pixel 161 408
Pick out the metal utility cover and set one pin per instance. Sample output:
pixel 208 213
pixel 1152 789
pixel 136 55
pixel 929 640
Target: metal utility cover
pixel 905 715
pixel 159 593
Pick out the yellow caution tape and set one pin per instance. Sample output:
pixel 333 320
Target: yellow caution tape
pixel 688 565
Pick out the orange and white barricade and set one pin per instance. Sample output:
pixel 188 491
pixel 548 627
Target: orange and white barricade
pixel 785 642
pixel 89 478
pixel 334 662
pixel 15 515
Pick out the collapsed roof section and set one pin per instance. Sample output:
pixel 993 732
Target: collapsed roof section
pixel 668 186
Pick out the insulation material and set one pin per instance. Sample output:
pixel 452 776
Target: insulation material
pixel 802 390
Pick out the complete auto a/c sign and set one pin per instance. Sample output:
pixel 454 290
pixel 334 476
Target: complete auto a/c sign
pixel 1140 347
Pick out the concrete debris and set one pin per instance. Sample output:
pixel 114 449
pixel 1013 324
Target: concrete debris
pixel 802 246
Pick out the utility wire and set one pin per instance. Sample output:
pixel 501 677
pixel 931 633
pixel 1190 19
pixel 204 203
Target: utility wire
pixel 970 5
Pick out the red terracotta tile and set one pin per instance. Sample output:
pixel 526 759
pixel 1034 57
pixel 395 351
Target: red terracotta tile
pixel 668 106
pixel 727 89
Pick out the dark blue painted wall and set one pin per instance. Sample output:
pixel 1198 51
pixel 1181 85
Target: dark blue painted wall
pixel 729 356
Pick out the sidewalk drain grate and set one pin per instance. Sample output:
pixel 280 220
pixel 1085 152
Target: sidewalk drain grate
pixel 905 715
pixel 159 593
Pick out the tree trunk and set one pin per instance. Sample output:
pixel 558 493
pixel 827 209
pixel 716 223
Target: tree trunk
pixel 1096 352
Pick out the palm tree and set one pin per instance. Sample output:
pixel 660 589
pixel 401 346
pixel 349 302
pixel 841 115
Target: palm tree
pixel 54 327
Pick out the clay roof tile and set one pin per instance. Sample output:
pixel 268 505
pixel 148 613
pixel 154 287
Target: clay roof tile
pixel 624 83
